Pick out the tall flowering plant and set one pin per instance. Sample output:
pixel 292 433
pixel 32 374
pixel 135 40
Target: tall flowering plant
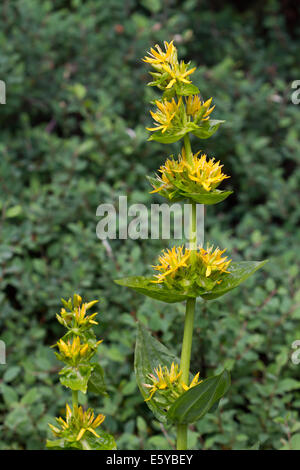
pixel 79 429
pixel 183 273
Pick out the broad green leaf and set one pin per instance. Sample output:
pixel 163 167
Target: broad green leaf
pixel 96 383
pixel 238 273
pixel 178 194
pixel 207 128
pixel 149 354
pixel 185 89
pixel 213 197
pixel 169 137
pixel 144 286
pixel 203 131
pixel 76 378
pixel 197 401
pixel 105 441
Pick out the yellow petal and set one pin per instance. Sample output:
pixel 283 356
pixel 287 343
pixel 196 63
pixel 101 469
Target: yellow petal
pixel 80 434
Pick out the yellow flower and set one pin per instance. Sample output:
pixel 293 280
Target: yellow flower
pixel 193 383
pixel 197 108
pixel 73 350
pixel 168 382
pixel 77 423
pixel 178 72
pixel 157 57
pixel 164 115
pixel 207 173
pixel 86 422
pixel 170 261
pixel 182 269
pixel 213 260
pixel 64 424
pixel 168 68
pixel 77 317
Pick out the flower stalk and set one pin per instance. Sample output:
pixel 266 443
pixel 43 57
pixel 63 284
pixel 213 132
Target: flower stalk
pixel 182 429
pixel 184 273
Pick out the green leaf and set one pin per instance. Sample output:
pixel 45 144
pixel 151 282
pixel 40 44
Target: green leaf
pixel 30 397
pixel 11 373
pixel 96 383
pixel 104 442
pixel 169 137
pixel 207 128
pixel 9 394
pixel 205 197
pixel 213 197
pixel 58 444
pixel 76 378
pixel 186 89
pixel 144 286
pixel 197 401
pixel 238 273
pixel 14 211
pixel 149 354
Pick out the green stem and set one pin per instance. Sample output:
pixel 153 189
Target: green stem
pixel 188 149
pixel 182 429
pixel 181 437
pixel 185 364
pixel 74 399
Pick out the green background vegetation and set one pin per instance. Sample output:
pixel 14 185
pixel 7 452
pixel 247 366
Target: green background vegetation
pixel 72 137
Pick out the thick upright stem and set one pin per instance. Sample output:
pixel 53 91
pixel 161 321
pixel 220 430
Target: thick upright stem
pixel 182 430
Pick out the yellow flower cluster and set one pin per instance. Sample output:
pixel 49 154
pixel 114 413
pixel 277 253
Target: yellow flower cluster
pixel 179 261
pixel 166 111
pixel 158 57
pixel 168 70
pixel 77 423
pixel 74 350
pixel 197 108
pixel 199 172
pixel 213 260
pixel 172 114
pixel 169 382
pixel 76 316
pixel 170 261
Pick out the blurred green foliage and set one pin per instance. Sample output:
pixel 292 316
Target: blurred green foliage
pixel 72 137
